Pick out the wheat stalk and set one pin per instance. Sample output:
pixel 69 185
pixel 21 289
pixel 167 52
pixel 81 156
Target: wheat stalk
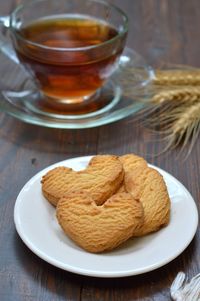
pixel 186 121
pixel 182 126
pixel 176 115
pixel 160 109
pixel 171 99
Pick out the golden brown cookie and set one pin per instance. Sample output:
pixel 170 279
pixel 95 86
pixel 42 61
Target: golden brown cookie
pixel 147 185
pixel 101 179
pixel 99 228
pixel 133 165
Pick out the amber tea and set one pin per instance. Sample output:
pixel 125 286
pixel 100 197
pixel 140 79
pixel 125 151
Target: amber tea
pixel 56 57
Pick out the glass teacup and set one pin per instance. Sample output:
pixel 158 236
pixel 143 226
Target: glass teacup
pixel 70 48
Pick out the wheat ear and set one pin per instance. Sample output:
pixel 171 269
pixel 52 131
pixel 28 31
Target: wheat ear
pixel 187 95
pixel 177 77
pixel 185 128
pixel 163 105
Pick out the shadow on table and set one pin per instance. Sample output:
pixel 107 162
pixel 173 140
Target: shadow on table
pixel 116 138
pixel 57 282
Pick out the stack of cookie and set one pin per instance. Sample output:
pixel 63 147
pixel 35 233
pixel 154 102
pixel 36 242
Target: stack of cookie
pixel 113 199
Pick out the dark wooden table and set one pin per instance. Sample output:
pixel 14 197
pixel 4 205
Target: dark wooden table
pixel 160 30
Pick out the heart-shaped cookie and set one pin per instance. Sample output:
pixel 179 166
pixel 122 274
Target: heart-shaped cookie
pixel 99 228
pixel 101 179
pixel 147 185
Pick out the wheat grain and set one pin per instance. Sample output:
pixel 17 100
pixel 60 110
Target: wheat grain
pixel 185 128
pixel 177 77
pixel 178 125
pixel 186 119
pixel 174 107
pixel 187 95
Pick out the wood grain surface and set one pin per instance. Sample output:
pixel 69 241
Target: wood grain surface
pixel 161 30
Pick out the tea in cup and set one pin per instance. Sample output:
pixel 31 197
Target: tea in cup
pixel 70 49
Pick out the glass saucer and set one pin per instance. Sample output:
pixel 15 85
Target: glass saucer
pixel 20 99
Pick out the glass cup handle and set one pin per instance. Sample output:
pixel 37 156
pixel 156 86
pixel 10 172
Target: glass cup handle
pixel 5 45
pixel 26 86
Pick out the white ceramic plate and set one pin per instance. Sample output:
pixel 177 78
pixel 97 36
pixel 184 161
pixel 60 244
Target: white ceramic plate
pixel 37 226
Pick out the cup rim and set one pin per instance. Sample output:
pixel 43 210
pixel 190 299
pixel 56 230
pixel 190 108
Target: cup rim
pixel 119 34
